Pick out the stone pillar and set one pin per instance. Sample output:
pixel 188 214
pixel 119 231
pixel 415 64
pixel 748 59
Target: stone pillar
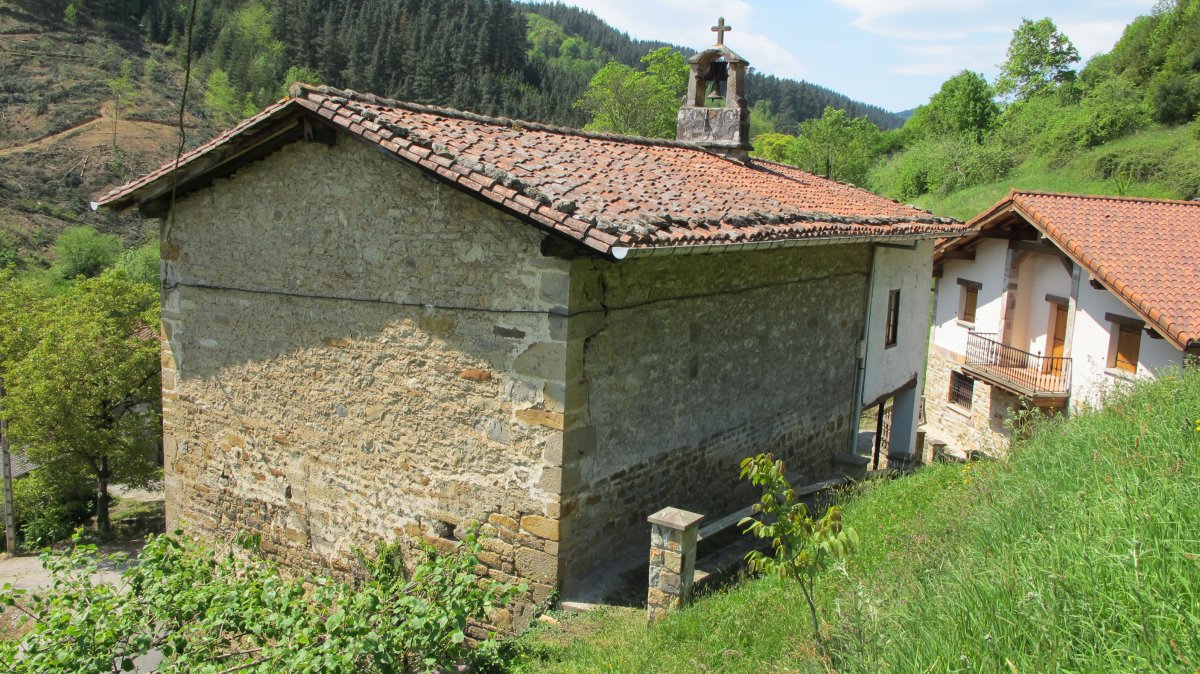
pixel 673 534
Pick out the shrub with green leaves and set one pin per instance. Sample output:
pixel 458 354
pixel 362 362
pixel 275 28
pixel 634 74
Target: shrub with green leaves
pixel 942 165
pixel 82 251
pixel 141 263
pixel 49 504
pixel 801 546
pixel 221 611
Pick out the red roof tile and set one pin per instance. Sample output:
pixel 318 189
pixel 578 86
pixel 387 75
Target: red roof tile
pixel 610 193
pixel 1147 251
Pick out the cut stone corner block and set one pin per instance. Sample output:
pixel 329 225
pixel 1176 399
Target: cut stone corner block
pixel 673 537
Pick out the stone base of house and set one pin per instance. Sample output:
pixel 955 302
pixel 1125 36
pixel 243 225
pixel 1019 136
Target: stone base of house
pixel 965 430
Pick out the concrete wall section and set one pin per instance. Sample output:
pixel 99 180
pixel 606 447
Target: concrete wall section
pixel 1091 340
pixel 356 352
pixel 680 366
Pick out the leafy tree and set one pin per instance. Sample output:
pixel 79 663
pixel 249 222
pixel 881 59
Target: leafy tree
pixel 963 105
pixel 801 546
pixel 1039 58
pixel 777 147
pixel 141 264
pixel 82 251
pixel 626 101
pixel 298 74
pixel 669 70
pixel 838 147
pixel 220 99
pixel 122 92
pixel 82 382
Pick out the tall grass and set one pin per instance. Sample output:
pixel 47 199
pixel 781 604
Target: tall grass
pixel 1079 553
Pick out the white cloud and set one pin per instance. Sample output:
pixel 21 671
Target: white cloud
pixel 941 37
pixel 689 23
pixel 1092 37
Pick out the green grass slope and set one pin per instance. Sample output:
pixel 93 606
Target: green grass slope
pixel 1080 553
pixel 1157 162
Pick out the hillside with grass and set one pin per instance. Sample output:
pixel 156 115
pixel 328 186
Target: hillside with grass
pixel 1077 554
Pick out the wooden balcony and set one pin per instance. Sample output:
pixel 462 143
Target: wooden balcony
pixel 1044 379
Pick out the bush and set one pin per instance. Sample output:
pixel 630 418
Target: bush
pixel 10 249
pixel 943 165
pixel 1111 109
pixel 1182 171
pixel 48 511
pixel 212 611
pixel 1176 166
pixel 141 263
pixel 1177 98
pixel 82 251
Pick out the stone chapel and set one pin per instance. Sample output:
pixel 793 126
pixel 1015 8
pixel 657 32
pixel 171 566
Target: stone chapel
pixel 383 320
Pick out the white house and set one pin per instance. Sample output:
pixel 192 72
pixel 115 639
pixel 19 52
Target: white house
pixel 1054 299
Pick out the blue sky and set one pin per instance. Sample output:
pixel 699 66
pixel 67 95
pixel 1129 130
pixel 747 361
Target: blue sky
pixel 894 54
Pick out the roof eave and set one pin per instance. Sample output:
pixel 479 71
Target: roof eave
pixel 255 137
pixel 626 252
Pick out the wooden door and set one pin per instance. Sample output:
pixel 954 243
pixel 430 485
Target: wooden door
pixel 1058 340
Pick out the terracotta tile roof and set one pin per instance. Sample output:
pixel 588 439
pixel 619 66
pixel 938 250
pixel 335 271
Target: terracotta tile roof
pixel 1146 251
pixel 611 193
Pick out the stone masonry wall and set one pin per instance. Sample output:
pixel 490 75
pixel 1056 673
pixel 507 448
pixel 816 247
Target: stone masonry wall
pixel 356 352
pixel 680 366
pixel 979 429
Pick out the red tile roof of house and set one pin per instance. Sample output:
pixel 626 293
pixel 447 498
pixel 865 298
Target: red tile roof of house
pixel 1146 251
pixel 611 193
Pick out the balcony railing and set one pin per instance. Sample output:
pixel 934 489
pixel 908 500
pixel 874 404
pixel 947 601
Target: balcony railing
pixel 1019 371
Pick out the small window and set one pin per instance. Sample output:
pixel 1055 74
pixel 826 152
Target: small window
pixel 1129 342
pixel 891 333
pixel 968 300
pixel 962 389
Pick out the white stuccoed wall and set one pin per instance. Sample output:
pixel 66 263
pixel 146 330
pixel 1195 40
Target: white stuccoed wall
pixel 1038 275
pixel 987 268
pixel 889 369
pixel 1090 342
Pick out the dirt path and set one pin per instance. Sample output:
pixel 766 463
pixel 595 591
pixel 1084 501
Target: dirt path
pixel 52 138
pixel 98 131
pixel 26 573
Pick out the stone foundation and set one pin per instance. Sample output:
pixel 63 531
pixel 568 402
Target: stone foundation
pixel 981 428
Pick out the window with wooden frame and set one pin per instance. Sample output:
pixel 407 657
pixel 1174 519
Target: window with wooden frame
pixel 1126 343
pixel 891 333
pixel 962 390
pixel 968 300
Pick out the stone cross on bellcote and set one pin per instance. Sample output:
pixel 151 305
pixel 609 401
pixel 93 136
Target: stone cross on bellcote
pixel 720 29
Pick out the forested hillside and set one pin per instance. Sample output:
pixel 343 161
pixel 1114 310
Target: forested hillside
pixel 90 88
